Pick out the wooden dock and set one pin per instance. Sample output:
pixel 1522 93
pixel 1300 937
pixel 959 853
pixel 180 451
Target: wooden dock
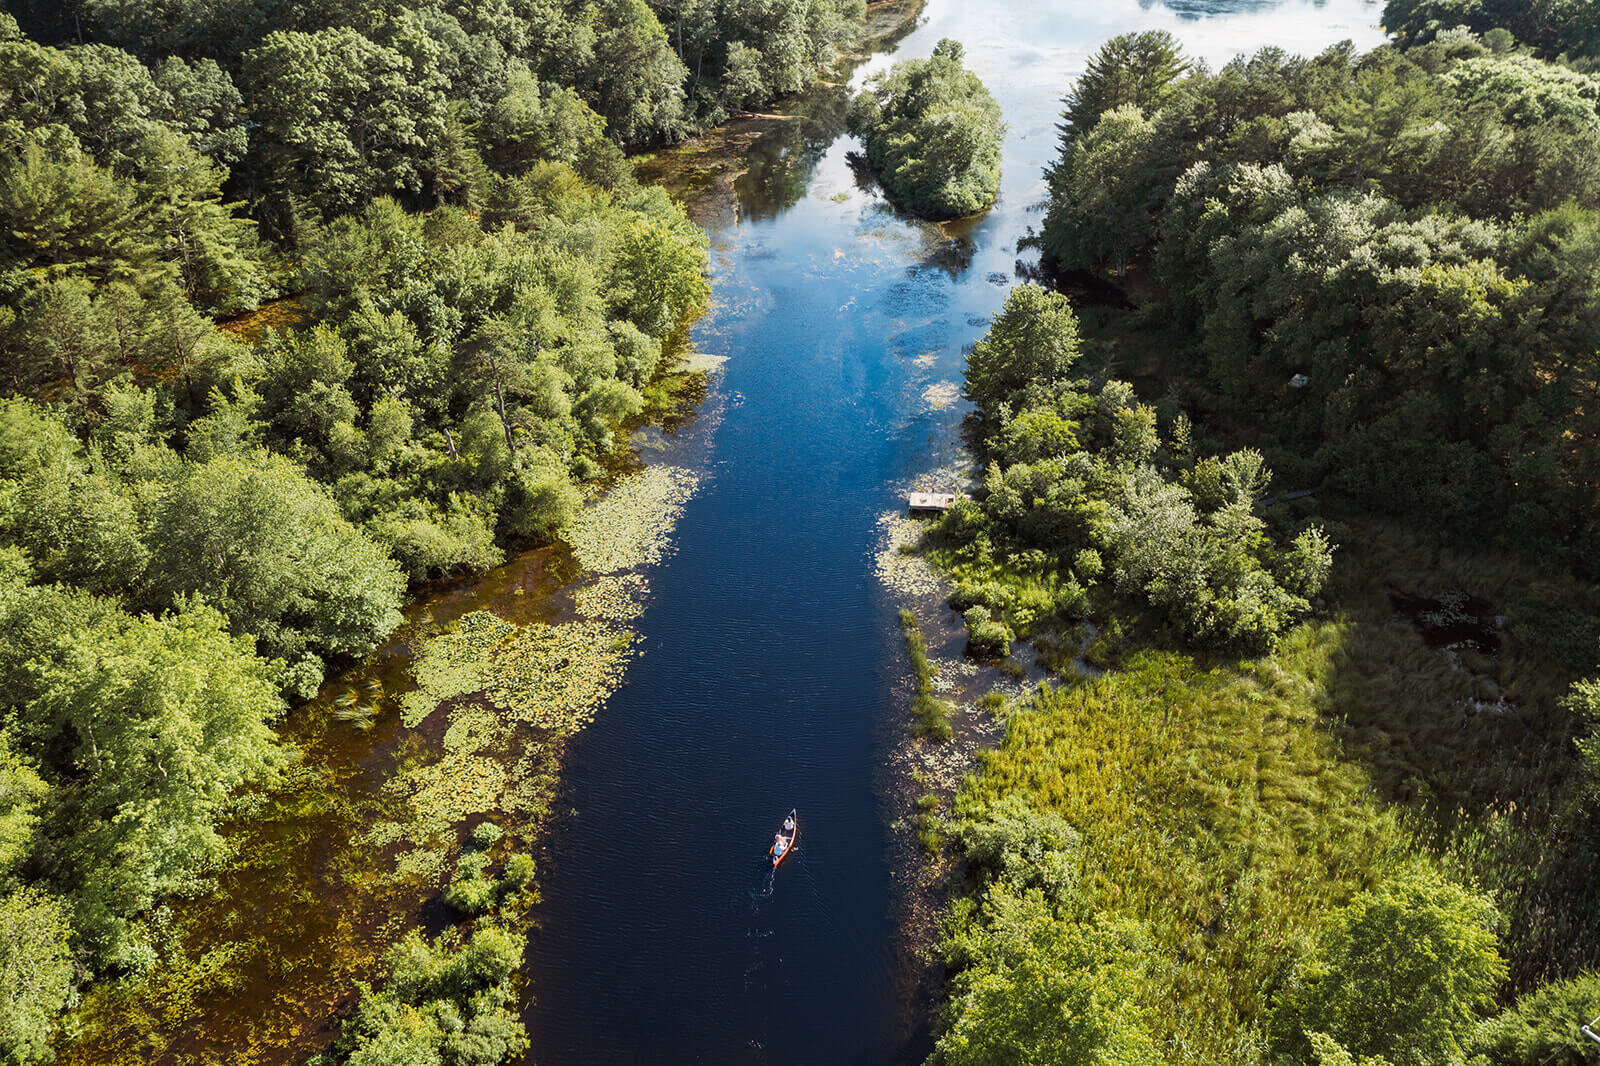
pixel 931 502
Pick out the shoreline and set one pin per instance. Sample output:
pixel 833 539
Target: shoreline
pixel 351 848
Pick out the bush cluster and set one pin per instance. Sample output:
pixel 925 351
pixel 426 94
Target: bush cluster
pixel 1085 499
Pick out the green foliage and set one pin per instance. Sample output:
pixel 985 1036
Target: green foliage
pixel 931 713
pixel 1042 988
pixel 1200 818
pixel 1542 1027
pixel 158 722
pixel 1026 356
pixel 262 488
pixel 304 583
pixel 1326 1051
pixel 250 533
pixel 1323 222
pixel 1554 27
pixel 110 169
pixel 449 1001
pixel 469 891
pixel 519 873
pixel 649 72
pixel 345 118
pixel 37 979
pixel 1073 502
pixel 739 54
pixel 143 728
pixel 1104 191
pixel 986 638
pixel 22 791
pixel 1135 70
pixel 1400 973
pixel 932 134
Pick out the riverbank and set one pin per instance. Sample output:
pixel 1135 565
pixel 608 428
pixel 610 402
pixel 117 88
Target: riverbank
pixel 1216 809
pixel 459 718
pixel 774 148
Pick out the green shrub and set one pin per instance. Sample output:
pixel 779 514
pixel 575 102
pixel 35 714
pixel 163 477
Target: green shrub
pixel 986 638
pixel 1542 1027
pixel 931 715
pixel 1395 973
pixel 1087 565
pixel 520 871
pixel 450 1001
pixel 932 719
pixel 469 891
pixel 470 896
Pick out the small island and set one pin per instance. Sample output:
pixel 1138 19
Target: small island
pixel 932 134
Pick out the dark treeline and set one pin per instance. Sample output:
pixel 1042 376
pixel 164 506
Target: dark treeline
pixel 1083 503
pixel 410 78
pixel 1554 28
pixel 303 303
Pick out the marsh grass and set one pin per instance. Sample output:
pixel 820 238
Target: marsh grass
pixel 931 714
pixel 1214 810
pixel 1228 806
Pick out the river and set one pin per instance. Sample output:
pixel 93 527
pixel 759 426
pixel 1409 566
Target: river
pixel 771 662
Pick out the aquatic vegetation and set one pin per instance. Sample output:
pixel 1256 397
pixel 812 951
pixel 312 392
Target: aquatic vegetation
pixel 449 1000
pixel 699 363
pixel 553 677
pixel 452 664
pixel 904 572
pixel 612 598
pixel 497 680
pixel 932 714
pixel 628 527
pixel 1212 811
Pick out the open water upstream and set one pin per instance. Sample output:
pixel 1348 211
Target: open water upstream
pixel 771 661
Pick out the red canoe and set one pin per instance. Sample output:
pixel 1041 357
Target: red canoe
pixel 783 843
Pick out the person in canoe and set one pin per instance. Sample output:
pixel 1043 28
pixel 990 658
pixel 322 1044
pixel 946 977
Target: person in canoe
pixel 783 842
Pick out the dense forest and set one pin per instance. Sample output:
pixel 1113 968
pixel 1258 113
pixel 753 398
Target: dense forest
pixel 304 304
pixel 1331 798
pixel 309 305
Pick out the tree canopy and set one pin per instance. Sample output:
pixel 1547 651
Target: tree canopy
pixel 303 303
pixel 932 134
pixel 1084 500
pixel 1401 973
pixel 1378 230
pixel 1553 27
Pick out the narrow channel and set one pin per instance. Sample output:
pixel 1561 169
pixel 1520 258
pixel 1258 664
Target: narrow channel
pixel 770 659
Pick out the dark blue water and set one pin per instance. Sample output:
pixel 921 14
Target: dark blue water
pixel 770 662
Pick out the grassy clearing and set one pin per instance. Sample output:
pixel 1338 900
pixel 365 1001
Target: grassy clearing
pixel 932 714
pixel 1214 811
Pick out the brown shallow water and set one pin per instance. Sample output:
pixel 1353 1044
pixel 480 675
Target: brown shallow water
pixel 259 970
